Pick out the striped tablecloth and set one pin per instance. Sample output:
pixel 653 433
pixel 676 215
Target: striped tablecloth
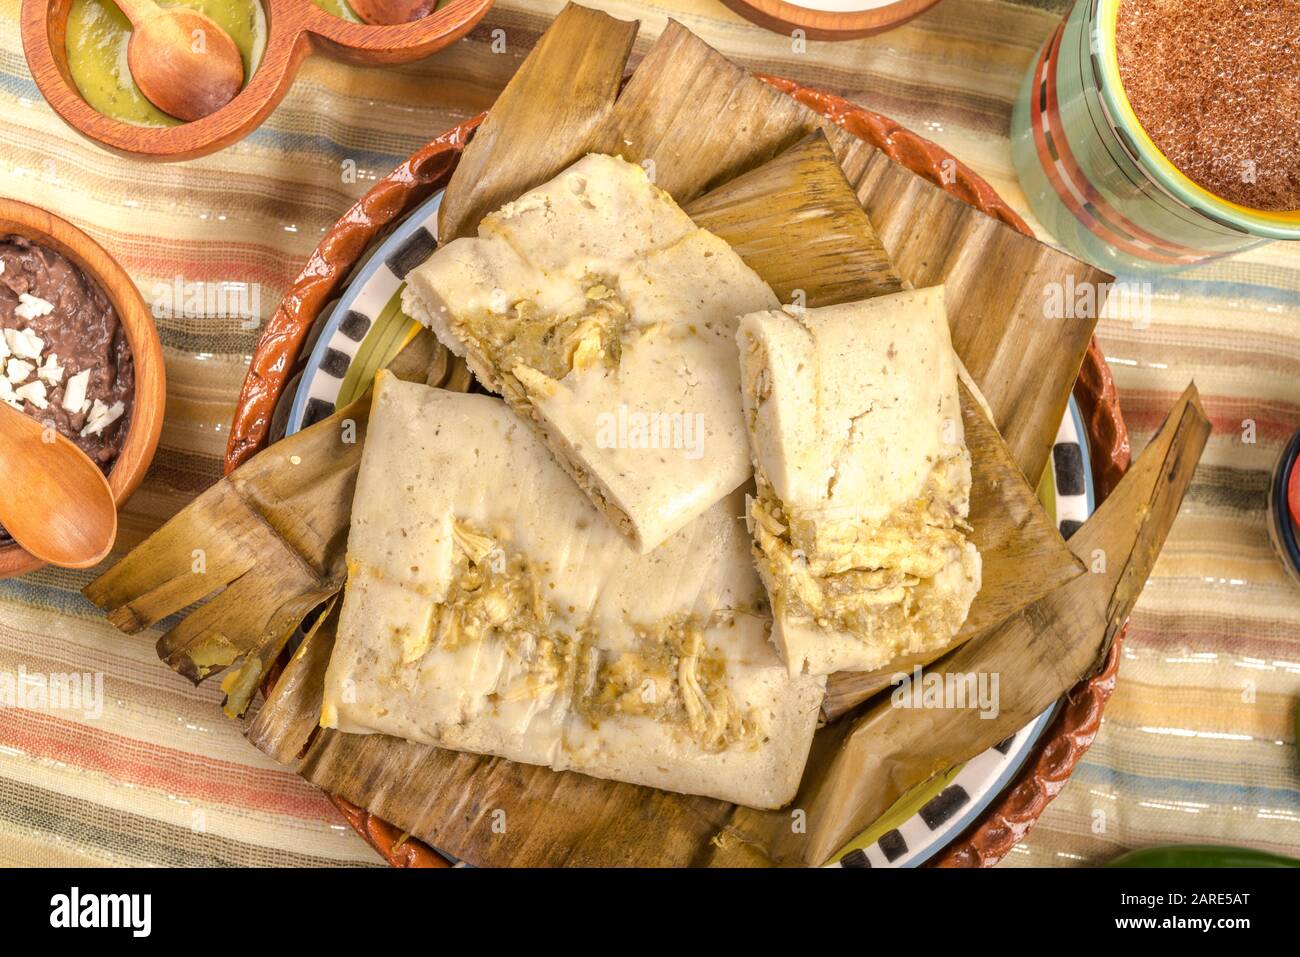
pixel 1198 742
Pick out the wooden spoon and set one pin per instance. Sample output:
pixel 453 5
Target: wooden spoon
pixel 388 12
pixel 55 502
pixel 183 62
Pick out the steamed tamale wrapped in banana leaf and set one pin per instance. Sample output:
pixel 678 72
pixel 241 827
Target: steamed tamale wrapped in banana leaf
pixel 606 318
pixel 490 608
pixel 863 477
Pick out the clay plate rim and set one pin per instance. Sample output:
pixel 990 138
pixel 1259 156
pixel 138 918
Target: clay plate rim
pixel 150 396
pixel 1053 758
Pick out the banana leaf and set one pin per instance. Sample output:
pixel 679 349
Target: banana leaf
pixel 545 115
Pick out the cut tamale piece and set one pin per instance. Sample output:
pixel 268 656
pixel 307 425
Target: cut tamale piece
pixel 1021 313
pixel 1022 556
pixel 796 222
pixel 547 113
pixel 489 608
pixel 606 318
pixel 695 119
pixel 859 767
pixel 863 479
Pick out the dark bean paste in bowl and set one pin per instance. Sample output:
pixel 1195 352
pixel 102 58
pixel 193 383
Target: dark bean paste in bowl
pixel 58 333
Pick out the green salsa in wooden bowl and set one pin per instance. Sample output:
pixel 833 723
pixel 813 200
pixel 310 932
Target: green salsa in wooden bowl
pixel 77 52
pixel 97 37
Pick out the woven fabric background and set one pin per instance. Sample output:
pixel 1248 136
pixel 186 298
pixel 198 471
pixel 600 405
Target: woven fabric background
pixel 1199 741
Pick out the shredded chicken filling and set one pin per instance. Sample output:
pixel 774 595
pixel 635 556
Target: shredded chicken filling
pixel 669 675
pixel 872 580
pixel 556 344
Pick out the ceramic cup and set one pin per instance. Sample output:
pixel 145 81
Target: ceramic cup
pixel 1096 180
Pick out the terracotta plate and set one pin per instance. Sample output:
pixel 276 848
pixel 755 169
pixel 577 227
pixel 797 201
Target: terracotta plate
pixel 362 332
pixel 278 359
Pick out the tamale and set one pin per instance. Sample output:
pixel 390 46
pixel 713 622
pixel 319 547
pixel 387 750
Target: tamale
pixel 606 318
pixel 860 766
pixel 863 479
pixel 489 608
pixel 824 252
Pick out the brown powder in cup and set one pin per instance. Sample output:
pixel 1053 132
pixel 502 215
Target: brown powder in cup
pixel 1216 85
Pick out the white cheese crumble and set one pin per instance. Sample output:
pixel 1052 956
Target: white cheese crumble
pixel 74 392
pixel 33 392
pixel 50 370
pixel 16 370
pixel 21 355
pixel 25 344
pixel 101 417
pixel 29 307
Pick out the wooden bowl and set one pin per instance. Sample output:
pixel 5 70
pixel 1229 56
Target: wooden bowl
pixel 294 29
pixel 146 351
pixel 1071 732
pixel 785 18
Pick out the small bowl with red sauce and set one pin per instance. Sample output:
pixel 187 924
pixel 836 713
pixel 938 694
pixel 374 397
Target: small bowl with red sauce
pixel 78 351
